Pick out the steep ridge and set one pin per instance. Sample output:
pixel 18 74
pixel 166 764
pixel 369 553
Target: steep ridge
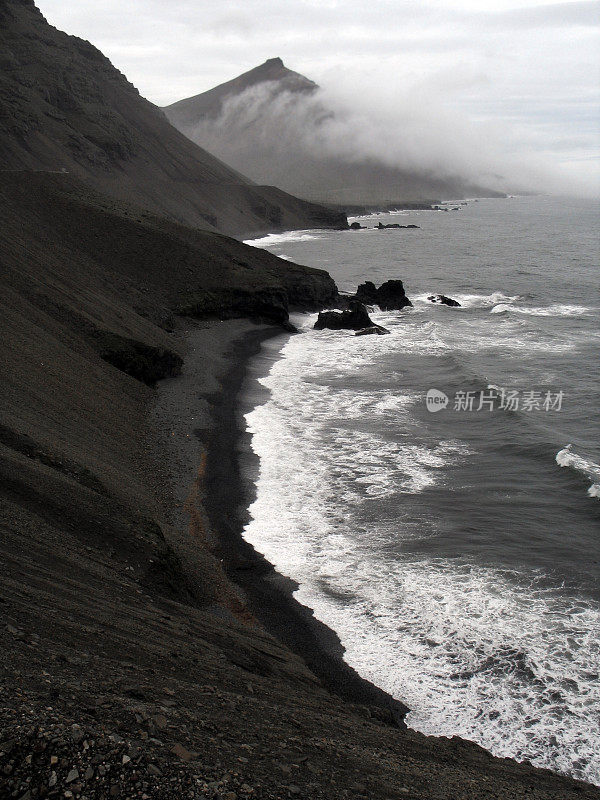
pixel 193 272
pixel 64 107
pixel 90 293
pixel 210 104
pixel 274 123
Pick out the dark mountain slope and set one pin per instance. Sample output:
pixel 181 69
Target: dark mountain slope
pixel 63 106
pixel 274 123
pixel 88 292
pixel 129 663
pixel 92 237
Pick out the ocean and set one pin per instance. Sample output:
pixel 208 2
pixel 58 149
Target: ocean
pixel 455 551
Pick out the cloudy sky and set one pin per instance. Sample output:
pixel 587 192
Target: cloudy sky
pixel 528 68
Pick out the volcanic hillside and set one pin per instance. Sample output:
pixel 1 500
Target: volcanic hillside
pixel 64 107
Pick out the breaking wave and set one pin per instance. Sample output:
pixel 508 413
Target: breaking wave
pixel 272 239
pixel 556 310
pixel 473 300
pixel 589 469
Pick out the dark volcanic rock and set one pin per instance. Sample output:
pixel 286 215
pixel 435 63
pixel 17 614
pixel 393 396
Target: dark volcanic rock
pixel 374 329
pixel 208 276
pixel 443 300
pixel 354 319
pixel 382 227
pixel 140 360
pixel 367 293
pixel 390 296
pixel 270 304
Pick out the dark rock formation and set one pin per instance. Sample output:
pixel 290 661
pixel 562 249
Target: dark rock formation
pixel 196 273
pixel 390 296
pixel 142 361
pixel 356 226
pixel 367 293
pixel 382 227
pixel 355 318
pixel 374 329
pixel 443 300
pixel 271 304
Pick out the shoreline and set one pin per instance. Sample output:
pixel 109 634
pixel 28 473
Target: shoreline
pixel 201 415
pixel 231 468
pixel 270 594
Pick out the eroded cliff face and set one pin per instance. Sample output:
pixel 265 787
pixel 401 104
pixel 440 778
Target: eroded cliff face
pixel 63 106
pixel 89 290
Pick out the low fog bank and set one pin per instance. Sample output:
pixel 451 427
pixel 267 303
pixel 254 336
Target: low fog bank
pixel 365 143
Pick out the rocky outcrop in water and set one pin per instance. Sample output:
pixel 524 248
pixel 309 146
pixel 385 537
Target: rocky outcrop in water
pixel 441 299
pixel 390 296
pixel 355 318
pixel 374 329
pixel 382 227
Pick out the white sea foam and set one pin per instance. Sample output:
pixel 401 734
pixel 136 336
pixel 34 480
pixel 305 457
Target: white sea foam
pixel 501 308
pixel 473 653
pixel 346 352
pixel 511 334
pixel 420 334
pixel 272 239
pixel 586 467
pixel 499 303
pixel 472 300
pixel 556 310
pixel 484 654
pixel 372 214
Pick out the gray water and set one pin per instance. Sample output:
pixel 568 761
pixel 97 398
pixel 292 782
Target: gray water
pixel 456 553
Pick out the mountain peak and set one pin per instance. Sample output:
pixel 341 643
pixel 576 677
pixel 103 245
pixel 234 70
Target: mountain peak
pixel 210 104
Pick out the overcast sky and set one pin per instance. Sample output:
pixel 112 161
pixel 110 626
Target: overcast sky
pixel 530 67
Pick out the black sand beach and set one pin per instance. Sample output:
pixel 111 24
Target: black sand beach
pixel 215 417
